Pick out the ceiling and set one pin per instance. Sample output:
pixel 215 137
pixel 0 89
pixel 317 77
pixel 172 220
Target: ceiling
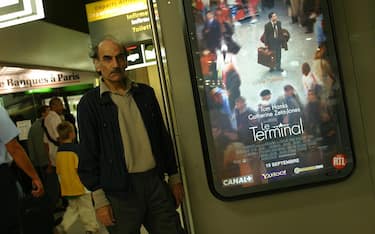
pixel 61 40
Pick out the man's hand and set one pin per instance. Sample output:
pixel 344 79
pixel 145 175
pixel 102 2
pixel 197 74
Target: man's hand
pixel 178 193
pixel 105 216
pixel 38 189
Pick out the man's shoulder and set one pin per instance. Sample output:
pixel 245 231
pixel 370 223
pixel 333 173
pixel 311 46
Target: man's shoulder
pixel 37 124
pixel 52 117
pixel 268 27
pixel 140 87
pixel 91 96
pixel 95 92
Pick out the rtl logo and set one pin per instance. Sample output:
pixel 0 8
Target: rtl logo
pixel 339 161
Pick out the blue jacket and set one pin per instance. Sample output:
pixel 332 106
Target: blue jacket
pixel 101 160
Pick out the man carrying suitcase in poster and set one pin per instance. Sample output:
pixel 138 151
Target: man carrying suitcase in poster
pixel 273 39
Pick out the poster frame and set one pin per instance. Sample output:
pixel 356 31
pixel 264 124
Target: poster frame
pixel 204 121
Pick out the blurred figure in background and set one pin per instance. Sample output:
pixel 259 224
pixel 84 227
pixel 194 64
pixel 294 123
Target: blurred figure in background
pixel 232 83
pixel 38 149
pixel 11 150
pixel 244 120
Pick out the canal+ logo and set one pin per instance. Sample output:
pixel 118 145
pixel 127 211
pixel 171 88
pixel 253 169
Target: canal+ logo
pixel 339 161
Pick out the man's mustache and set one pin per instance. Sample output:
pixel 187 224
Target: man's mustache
pixel 117 70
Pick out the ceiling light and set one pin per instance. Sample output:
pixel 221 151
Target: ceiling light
pixel 5 3
pixel 31 10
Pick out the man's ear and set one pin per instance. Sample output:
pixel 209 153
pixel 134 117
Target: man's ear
pixel 97 65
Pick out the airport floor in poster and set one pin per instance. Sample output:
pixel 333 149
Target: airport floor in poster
pixel 278 125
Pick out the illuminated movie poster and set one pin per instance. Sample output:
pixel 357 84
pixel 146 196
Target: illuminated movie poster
pixel 269 89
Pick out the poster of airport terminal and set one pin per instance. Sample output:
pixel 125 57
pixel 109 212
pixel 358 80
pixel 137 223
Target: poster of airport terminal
pixel 273 103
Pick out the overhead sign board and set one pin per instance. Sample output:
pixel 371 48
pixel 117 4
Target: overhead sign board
pixel 126 20
pixel 16 79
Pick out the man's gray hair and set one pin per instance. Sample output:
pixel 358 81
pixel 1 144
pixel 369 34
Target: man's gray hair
pixel 94 50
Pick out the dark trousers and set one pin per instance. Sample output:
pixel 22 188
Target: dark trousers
pixel 149 202
pixel 42 173
pixel 52 188
pixel 9 202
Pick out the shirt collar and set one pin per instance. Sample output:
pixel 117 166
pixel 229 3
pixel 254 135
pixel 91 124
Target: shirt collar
pixel 104 88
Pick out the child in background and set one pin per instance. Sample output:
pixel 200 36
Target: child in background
pixel 79 198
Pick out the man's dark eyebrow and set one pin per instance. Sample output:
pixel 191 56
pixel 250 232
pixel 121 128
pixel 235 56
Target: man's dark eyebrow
pixel 117 55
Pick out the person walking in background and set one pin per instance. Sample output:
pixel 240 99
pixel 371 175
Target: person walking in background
pixel 68 116
pixel 219 100
pixel 208 65
pixel 265 110
pixel 322 68
pixel 295 10
pixel 253 10
pixel 228 45
pixel 10 150
pixel 313 114
pixel 310 10
pixel 79 198
pixel 273 39
pixel 319 28
pixel 222 129
pixel 212 32
pixel 38 149
pixel 232 83
pixel 293 103
pixel 309 80
pixel 245 118
pixel 126 150
pixel 52 120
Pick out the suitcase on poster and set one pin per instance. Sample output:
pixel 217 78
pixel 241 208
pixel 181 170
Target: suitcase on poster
pixel 266 57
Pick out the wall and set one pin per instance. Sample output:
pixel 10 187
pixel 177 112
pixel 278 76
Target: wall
pixel 343 207
pixel 40 44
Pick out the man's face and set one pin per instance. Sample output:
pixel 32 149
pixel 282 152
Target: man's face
pixel 266 97
pixel 210 16
pixel 58 107
pixel 111 61
pixel 240 105
pixel 289 91
pixel 218 98
pixel 219 16
pixel 311 97
pixel 274 17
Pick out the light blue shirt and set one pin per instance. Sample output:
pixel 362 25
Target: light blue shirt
pixel 8 131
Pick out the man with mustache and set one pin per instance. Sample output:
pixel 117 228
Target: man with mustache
pixel 126 150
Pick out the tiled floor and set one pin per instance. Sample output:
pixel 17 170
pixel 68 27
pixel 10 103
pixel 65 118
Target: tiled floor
pixel 77 227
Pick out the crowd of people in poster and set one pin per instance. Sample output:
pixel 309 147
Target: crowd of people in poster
pixel 271 139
